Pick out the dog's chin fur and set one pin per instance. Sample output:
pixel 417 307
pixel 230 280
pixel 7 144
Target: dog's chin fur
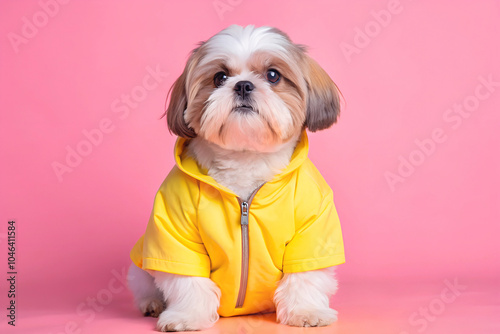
pixel 241 152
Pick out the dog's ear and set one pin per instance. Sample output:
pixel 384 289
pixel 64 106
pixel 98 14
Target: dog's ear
pixel 178 104
pixel 323 100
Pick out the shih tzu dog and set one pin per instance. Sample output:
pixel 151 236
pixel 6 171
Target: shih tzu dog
pixel 244 223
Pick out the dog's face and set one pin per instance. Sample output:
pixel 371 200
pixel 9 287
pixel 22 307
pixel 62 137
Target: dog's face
pixel 250 88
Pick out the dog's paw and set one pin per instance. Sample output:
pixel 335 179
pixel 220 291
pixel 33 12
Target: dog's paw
pixel 151 307
pixel 310 318
pixel 174 321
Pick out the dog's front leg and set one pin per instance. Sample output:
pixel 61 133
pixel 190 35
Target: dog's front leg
pixel 302 299
pixel 192 302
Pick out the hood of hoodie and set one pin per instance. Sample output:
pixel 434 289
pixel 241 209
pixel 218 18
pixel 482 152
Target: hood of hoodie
pixel 189 166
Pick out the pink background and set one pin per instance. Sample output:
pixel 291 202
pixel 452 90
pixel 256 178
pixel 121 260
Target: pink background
pixel 439 223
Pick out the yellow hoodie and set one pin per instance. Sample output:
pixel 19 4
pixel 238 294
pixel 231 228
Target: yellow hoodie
pixel 201 228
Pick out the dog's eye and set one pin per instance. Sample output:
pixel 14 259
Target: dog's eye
pixel 273 76
pixel 219 79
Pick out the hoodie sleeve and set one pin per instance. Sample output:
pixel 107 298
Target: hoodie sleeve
pixel 172 241
pixel 317 242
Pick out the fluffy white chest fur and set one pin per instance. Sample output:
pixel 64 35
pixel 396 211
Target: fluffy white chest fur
pixel 240 171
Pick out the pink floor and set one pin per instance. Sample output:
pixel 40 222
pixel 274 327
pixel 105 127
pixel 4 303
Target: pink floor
pixel 389 307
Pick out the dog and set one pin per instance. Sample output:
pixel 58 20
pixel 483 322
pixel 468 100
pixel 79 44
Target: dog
pixel 244 223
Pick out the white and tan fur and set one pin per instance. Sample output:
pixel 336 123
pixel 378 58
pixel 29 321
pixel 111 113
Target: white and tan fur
pixel 243 140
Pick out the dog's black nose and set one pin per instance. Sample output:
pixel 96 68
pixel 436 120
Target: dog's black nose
pixel 243 88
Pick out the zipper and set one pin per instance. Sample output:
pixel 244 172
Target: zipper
pixel 245 251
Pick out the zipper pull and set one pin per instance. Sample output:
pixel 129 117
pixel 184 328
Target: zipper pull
pixel 244 213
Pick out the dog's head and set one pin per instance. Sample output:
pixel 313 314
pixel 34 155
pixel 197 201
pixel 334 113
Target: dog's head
pixel 250 88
